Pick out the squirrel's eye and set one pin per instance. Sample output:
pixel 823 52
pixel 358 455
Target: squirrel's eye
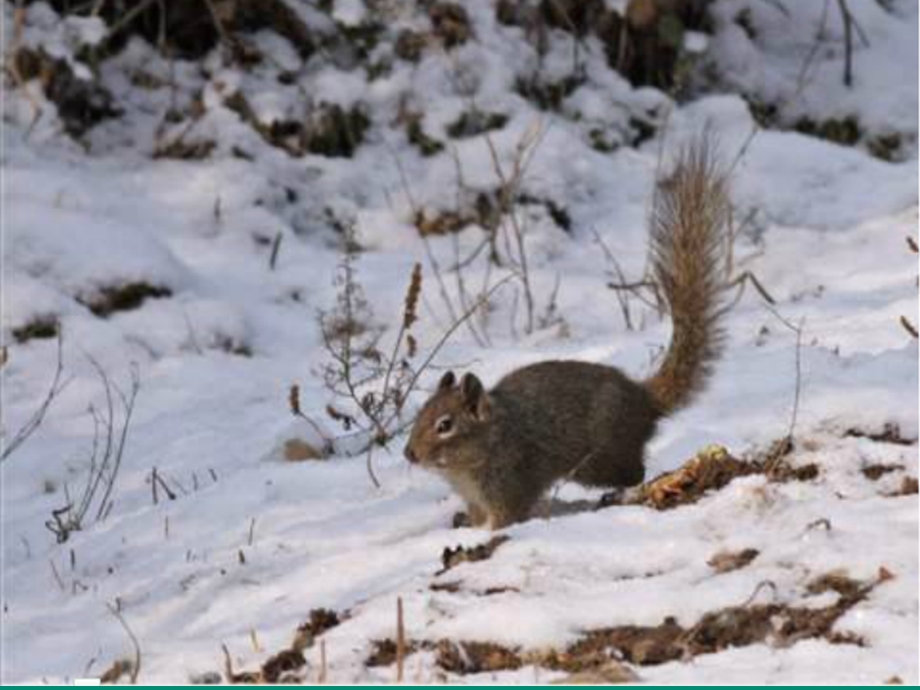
pixel 444 425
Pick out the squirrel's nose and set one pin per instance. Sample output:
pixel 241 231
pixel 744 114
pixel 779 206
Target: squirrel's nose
pixel 410 456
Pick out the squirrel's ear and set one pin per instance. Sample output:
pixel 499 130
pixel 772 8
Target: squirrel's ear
pixel 447 381
pixel 475 396
pixel 471 387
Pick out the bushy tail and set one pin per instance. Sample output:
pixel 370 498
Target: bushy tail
pixel 688 248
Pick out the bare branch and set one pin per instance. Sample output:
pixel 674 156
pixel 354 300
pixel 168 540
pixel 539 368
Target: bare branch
pixel 773 463
pixel 38 416
pixel 104 461
pixel 400 640
pixel 847 42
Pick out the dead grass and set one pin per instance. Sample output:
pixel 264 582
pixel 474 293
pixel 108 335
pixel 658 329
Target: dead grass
pixel 114 298
pixel 777 624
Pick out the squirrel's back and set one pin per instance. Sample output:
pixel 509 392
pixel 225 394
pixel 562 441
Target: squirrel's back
pixel 591 418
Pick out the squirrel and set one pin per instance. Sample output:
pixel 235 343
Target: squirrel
pixel 502 449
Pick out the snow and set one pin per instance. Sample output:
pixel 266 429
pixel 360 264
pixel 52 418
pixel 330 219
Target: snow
pixel 820 225
pixel 797 57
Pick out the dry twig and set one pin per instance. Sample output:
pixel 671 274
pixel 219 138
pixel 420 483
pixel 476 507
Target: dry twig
pixel 105 459
pixel 509 187
pixel 38 416
pixel 400 640
pixel 136 666
pixel 847 42
pixel 782 451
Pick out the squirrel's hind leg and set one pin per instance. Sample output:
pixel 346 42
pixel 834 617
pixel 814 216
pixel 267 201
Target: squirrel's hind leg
pixel 498 517
pixel 478 517
pixel 621 468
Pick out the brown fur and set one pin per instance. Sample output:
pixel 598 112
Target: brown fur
pixel 502 449
pixel 688 246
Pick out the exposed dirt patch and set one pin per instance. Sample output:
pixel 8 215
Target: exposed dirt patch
pixel 802 473
pixel 450 587
pixel 335 132
pixel 636 644
pixel 288 665
pixel 191 29
pixel 282 665
pixel 727 561
pixel 556 211
pixel 643 42
pixel 81 103
pixel 442 223
pixel 410 45
pixel 179 149
pixel 450 558
pixel 109 300
pixel 846 131
pixel 383 652
pixel 608 673
pixel 450 22
pixel 778 624
pixel 456 586
pixel 735 626
pixel 890 433
pixel 473 122
pixel 547 94
pixel 46 326
pixel 909 487
pixel 418 137
pixel 319 621
pixel 874 472
pixel 476 657
pixel 484 208
pixel 330 130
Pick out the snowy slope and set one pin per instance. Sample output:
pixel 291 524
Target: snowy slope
pixel 822 228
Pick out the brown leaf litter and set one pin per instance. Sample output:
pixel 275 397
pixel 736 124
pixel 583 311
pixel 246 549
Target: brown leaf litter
pixel 450 558
pixel 909 487
pixel 320 621
pixel 778 624
pixel 726 561
pixel 875 471
pixel 286 666
pixel 890 433
pixel 711 469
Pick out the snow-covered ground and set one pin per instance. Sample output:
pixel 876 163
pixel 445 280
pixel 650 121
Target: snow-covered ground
pixel 251 544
